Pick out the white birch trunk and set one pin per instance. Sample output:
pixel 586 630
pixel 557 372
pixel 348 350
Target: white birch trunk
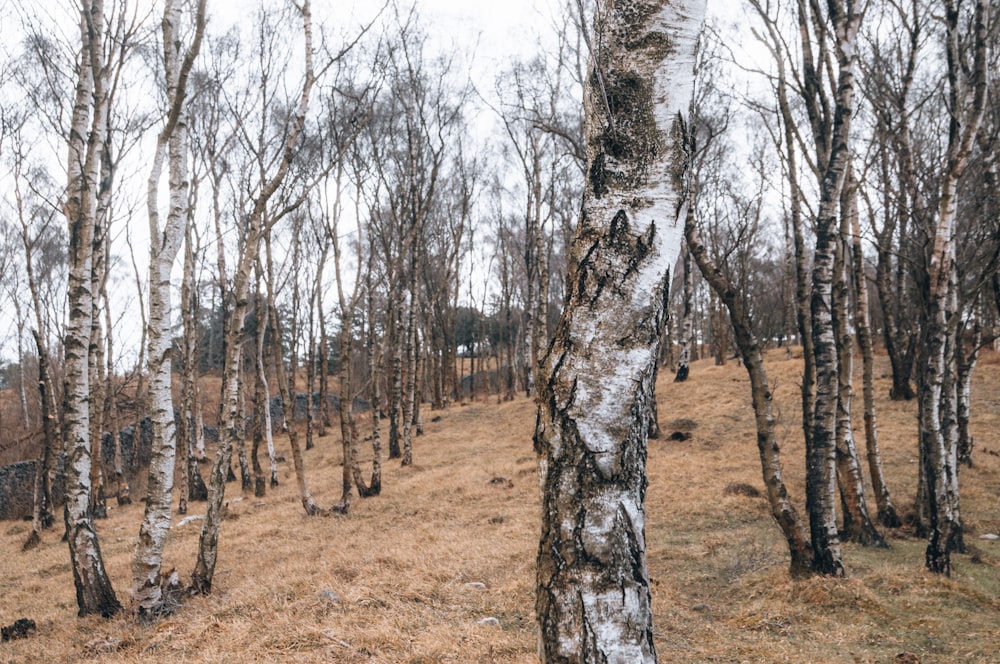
pixel 937 453
pixel 266 407
pixel 94 592
pixel 165 243
pixel 821 453
pixel 593 593
pixel 204 572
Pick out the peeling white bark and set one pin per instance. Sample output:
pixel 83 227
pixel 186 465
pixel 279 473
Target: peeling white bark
pixel 165 244
pixel 87 141
pixel 593 597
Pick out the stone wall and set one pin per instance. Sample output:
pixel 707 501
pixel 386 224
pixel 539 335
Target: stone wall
pixel 17 489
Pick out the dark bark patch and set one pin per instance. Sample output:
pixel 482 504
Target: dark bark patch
pixel 633 17
pixel 678 145
pixel 629 141
pixel 656 43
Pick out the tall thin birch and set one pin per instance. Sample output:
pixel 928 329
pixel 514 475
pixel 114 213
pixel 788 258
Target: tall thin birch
pixel 165 243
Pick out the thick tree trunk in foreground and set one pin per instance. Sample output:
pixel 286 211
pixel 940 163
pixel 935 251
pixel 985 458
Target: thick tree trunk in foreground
pixel 593 593
pixel 821 455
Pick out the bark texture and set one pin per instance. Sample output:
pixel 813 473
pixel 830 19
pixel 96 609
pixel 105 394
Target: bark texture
pixel 821 454
pixel 165 242
pixel 87 145
pixel 938 452
pixel 595 383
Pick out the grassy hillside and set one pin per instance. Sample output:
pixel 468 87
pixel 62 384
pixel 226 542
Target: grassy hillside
pixel 440 568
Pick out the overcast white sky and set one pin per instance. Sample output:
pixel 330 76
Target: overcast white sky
pixel 490 33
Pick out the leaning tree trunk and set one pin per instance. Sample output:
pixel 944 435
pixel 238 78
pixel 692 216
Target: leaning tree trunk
pixel 593 598
pixel 782 509
pixel 230 429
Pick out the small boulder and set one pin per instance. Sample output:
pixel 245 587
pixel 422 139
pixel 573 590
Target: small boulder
pixel 741 489
pixel 18 630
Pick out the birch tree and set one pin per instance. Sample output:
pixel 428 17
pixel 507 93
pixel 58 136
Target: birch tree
pixel 86 153
pixel 830 114
pixel 593 598
pixel 230 430
pixel 966 103
pixel 725 280
pixel 42 248
pixel 165 242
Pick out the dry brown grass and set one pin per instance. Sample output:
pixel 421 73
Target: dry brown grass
pixel 449 544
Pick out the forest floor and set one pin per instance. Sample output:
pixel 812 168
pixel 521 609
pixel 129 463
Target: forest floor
pixel 440 567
